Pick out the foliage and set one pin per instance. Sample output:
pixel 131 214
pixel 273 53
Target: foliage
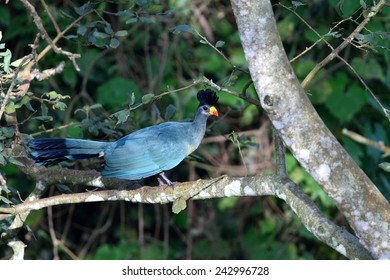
pixel 134 54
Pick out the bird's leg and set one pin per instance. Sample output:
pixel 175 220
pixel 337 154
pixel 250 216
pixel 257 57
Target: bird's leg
pixel 160 181
pixel 165 178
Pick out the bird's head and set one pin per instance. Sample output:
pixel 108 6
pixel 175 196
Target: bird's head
pixel 207 99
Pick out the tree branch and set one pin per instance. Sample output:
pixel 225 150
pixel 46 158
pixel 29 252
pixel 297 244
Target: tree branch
pixel 9 236
pixel 42 31
pixel 302 130
pixel 363 140
pixel 224 186
pixel 335 53
pixel 11 88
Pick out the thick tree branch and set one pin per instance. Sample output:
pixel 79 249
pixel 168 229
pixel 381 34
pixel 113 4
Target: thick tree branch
pixel 303 131
pixel 224 186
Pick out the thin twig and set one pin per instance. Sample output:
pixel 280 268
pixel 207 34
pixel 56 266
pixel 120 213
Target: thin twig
pixel 336 52
pixel 374 10
pixel 58 30
pixel 363 140
pixel 54 129
pixel 321 38
pixel 385 111
pixel 52 44
pixel 223 89
pixel 220 53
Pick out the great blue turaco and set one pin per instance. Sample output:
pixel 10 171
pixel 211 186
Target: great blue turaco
pixel 141 154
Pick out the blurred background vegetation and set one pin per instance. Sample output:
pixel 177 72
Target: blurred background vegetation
pixel 134 55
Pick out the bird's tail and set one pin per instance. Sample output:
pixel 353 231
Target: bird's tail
pixel 49 151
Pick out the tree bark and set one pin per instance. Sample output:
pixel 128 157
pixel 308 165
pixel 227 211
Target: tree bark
pixel 303 131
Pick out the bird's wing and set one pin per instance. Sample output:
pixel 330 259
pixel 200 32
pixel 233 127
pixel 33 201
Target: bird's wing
pixel 146 152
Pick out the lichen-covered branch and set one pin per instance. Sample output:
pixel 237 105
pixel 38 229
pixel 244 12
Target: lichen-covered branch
pixel 10 235
pixel 304 133
pixel 224 186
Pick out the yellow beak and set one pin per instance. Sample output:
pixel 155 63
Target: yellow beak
pixel 213 111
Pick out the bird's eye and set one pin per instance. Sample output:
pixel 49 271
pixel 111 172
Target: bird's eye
pixel 205 108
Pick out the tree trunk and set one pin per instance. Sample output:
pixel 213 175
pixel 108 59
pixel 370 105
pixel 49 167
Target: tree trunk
pixel 304 133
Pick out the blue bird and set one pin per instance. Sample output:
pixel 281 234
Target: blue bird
pixel 141 154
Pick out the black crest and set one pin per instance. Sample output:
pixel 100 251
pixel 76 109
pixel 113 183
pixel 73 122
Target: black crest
pixel 207 97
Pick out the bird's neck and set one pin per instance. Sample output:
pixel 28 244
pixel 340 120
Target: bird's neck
pixel 199 127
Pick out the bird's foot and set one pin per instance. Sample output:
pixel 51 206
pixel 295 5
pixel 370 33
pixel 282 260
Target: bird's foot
pixel 163 180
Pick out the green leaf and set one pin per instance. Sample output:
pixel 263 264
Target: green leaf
pixel 385 166
pixel 5 200
pixel 17 62
pixel 52 95
pixel 170 112
pixel 179 205
pixel 132 99
pixel 142 3
pixel 297 4
pixel 121 33
pixel 146 20
pixel 71 36
pixel 369 68
pixel 10 108
pixel 44 109
pixel 83 9
pixel 114 43
pixel 181 29
pixel 345 105
pixel 7 132
pixel 219 44
pixel 125 13
pixel 132 20
pixel 81 30
pixel 66 14
pixel 147 98
pixel 43 118
pixel 108 28
pixel 60 105
pixel 23 101
pixel 95 106
pixel 101 35
pixel 122 116
pixel 347 8
pixel 2 160
pixel 153 9
pixel 7 60
pixel 29 107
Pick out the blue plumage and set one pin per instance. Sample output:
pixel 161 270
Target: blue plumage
pixel 140 154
